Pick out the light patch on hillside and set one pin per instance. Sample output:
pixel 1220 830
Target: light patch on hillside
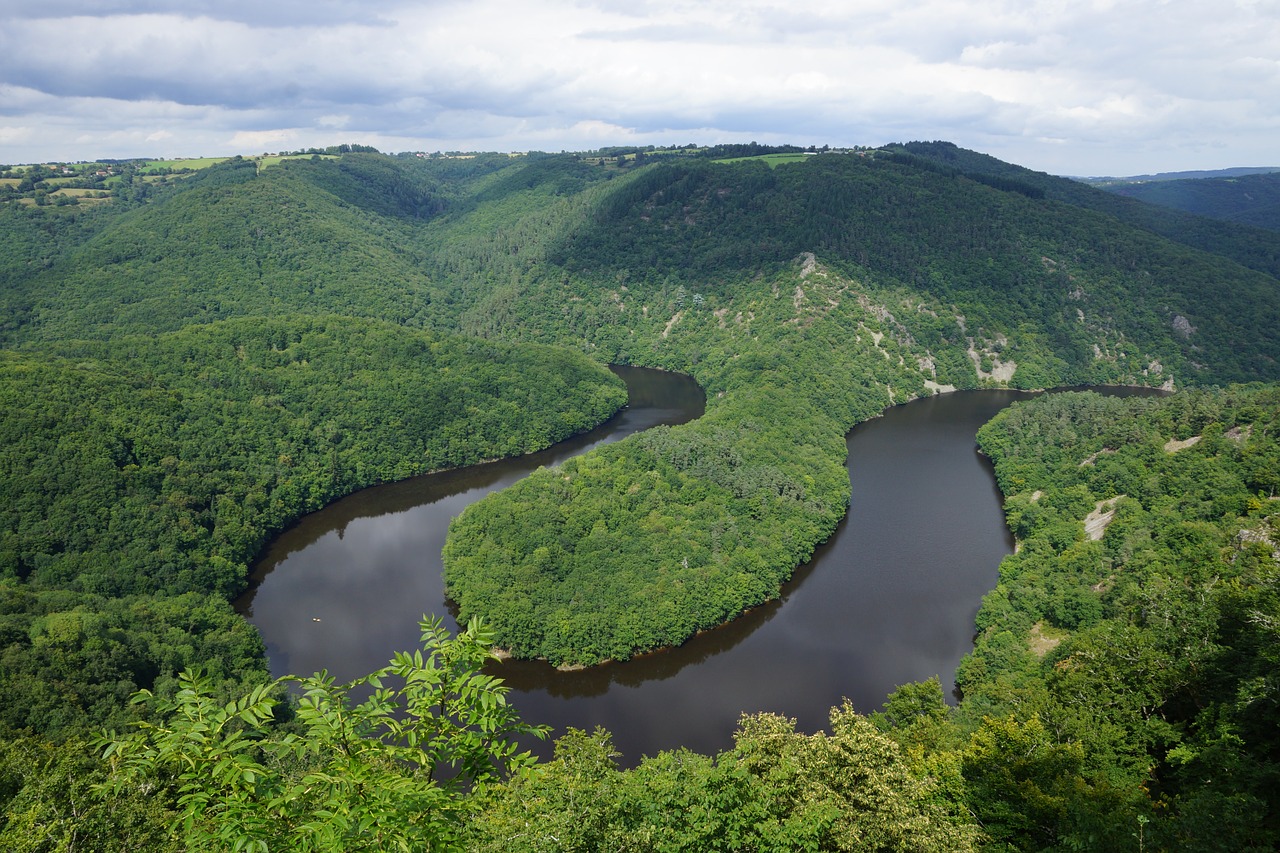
pixel 1239 434
pixel 808 263
pixel 1093 457
pixel 1001 371
pixel 821 293
pixel 675 318
pixel 1259 536
pixel 1043 639
pixel 1096 522
pixel 1173 445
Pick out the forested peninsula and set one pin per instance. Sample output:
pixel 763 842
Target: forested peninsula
pixel 209 353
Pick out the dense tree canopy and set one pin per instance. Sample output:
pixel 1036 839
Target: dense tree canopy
pixel 1248 199
pixel 194 362
pixel 1137 621
pixel 141 477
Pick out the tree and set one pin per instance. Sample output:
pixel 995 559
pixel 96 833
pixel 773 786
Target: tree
pixel 776 790
pixel 386 773
pixel 47 803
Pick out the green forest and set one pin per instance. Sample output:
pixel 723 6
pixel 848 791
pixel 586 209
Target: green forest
pixel 141 476
pixel 1248 199
pixel 191 364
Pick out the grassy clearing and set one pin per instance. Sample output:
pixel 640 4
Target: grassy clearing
pixel 774 160
pixel 193 163
pixel 1044 638
pixel 266 162
pixel 88 200
pixel 164 179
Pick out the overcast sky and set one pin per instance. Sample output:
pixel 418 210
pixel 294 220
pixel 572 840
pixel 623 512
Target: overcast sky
pixel 1079 87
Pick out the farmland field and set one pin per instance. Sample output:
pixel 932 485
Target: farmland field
pixel 774 160
pixel 264 162
pixel 193 163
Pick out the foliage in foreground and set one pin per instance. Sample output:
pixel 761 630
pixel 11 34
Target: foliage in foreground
pixel 420 767
pixel 388 772
pixel 776 790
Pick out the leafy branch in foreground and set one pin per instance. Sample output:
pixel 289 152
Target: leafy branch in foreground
pixel 386 773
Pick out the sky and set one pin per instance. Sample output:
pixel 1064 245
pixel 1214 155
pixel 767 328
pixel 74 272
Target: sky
pixel 1070 87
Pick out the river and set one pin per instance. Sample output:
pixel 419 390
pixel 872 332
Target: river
pixel 890 598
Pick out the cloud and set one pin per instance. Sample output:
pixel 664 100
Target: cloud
pixel 336 122
pixel 14 134
pixel 255 12
pixel 259 140
pixel 1043 81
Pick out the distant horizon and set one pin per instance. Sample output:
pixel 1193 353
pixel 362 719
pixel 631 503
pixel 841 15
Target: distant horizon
pixel 1163 175
pixel 1069 89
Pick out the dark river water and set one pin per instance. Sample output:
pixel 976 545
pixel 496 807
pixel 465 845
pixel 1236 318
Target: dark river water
pixel 890 598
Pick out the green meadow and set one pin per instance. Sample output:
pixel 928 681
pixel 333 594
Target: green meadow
pixel 774 160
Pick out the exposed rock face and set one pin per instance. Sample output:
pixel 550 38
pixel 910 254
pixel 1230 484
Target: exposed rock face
pixel 1001 371
pixel 1183 326
pixel 1173 445
pixel 808 263
pixel 938 388
pixel 1095 523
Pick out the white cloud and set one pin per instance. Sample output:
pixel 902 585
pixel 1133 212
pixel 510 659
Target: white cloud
pixel 14 134
pixel 1175 84
pixel 258 140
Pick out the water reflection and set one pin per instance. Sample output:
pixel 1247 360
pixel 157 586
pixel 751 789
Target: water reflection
pixel 345 587
pixel 890 598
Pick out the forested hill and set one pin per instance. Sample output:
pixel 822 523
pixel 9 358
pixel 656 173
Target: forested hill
pixel 1244 241
pixel 450 243
pixel 229 242
pixel 992 249
pixel 803 297
pixel 141 476
pixel 1247 199
pixel 225 350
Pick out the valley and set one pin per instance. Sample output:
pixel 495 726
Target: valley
pixel 193 366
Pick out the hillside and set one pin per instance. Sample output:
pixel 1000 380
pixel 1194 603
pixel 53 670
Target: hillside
pixel 1252 247
pixel 900 271
pixel 302 329
pixel 1189 175
pixel 140 477
pixel 229 242
pixel 1247 199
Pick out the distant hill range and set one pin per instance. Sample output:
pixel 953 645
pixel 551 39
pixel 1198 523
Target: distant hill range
pixel 1191 175
pixel 1248 195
